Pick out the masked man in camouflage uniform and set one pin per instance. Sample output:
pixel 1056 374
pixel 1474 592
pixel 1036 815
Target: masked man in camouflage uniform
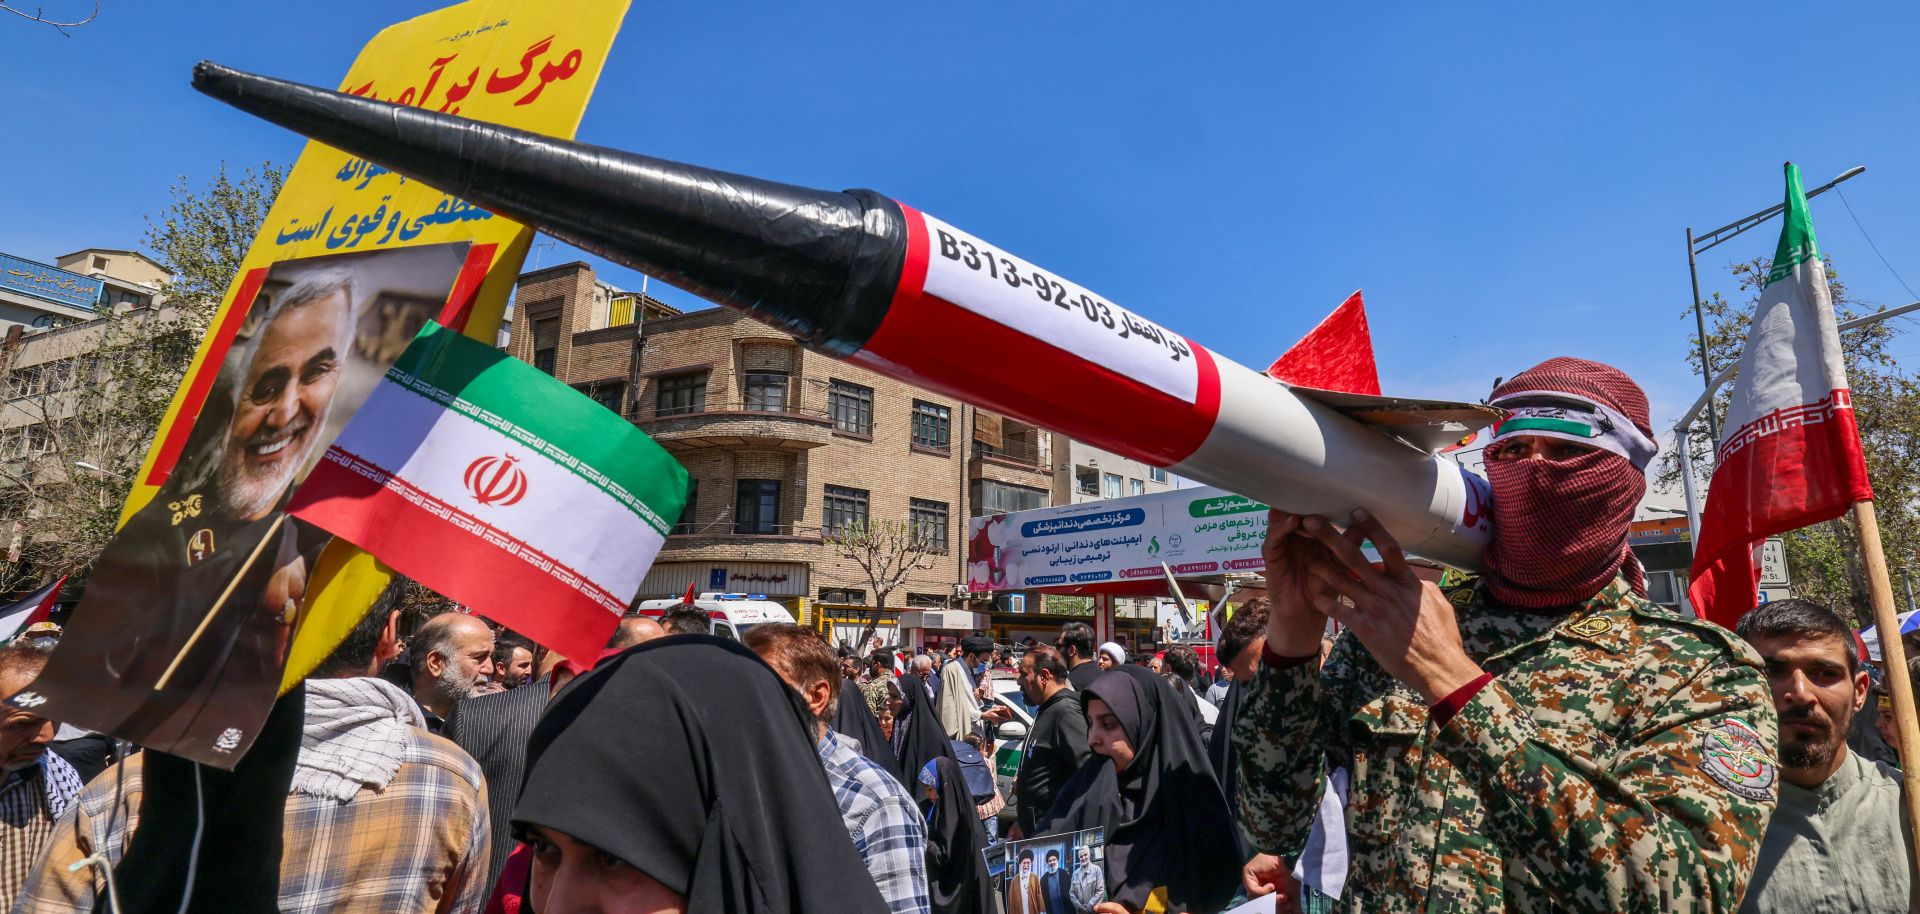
pixel 1542 738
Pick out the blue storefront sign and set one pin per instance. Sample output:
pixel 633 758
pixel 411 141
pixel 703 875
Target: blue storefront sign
pixel 50 283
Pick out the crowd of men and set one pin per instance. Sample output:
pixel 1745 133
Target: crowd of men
pixel 1539 737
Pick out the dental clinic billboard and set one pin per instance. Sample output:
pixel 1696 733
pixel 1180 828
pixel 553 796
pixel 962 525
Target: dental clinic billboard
pixel 1193 531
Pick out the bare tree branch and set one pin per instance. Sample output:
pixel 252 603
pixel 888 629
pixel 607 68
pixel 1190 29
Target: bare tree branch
pixel 39 15
pixel 887 554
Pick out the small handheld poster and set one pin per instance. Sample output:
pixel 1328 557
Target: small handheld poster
pixel 1056 874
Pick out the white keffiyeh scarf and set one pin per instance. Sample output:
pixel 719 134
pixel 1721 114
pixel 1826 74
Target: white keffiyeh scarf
pixel 355 733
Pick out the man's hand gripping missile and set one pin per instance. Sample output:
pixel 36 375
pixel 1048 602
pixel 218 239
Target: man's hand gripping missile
pixel 1315 571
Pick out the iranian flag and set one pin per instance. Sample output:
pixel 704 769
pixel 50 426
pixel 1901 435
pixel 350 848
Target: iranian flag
pixel 1791 453
pixel 501 488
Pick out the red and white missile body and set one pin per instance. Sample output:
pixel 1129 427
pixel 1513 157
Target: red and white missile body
pixel 880 284
pixel 1114 379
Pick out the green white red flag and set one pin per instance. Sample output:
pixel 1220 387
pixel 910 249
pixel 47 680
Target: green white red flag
pixel 35 607
pixel 501 488
pixel 1791 452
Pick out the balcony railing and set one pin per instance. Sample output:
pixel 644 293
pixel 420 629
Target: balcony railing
pixel 647 412
pixel 1025 453
pixel 799 397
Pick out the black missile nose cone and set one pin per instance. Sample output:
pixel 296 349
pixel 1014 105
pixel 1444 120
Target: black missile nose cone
pixel 206 76
pixel 820 264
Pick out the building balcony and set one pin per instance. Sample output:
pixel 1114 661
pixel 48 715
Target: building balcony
pixel 755 423
pixel 1022 465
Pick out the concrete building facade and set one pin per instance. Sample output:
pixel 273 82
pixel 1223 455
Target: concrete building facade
pixel 1086 473
pixel 48 338
pixel 36 296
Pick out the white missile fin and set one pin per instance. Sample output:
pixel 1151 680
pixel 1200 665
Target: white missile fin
pixel 1426 425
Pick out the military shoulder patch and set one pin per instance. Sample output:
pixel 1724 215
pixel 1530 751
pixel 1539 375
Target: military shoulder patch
pixel 1735 756
pixel 1461 596
pixel 1592 626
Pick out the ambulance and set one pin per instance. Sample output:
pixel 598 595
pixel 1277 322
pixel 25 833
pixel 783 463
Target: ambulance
pixel 734 614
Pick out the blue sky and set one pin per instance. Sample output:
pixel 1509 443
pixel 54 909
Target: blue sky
pixel 1506 182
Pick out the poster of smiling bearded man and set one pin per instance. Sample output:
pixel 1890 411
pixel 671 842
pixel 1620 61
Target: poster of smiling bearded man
pixel 187 618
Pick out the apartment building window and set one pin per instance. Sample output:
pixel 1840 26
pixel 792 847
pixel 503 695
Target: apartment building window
pixel 99 263
pixel 845 596
pixel 926 601
pixel 39 439
pixel 1086 480
pixel 1136 487
pixel 992 497
pixel 767 391
pixel 1110 485
pixel 929 520
pixel 546 344
pixel 680 394
pixel 756 507
pixel 1157 474
pixel 58 376
pixel 611 396
pixel 844 510
pixel 932 425
pixel 686 523
pixel 24 381
pixel 851 407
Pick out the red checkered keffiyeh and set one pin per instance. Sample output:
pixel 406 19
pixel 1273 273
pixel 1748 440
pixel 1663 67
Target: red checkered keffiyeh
pixel 1560 527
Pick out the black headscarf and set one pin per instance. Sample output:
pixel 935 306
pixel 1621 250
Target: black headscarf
pixel 918 737
pixel 701 788
pixel 854 719
pixel 1226 759
pixel 956 870
pixel 1166 820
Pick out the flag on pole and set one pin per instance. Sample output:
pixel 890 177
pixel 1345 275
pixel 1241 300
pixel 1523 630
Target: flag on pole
pixel 501 488
pixel 1791 453
pixel 36 607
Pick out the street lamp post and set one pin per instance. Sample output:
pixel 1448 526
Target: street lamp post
pixel 1706 241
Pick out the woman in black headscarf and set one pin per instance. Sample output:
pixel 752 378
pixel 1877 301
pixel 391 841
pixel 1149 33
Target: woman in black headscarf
pixel 640 790
pixel 918 737
pixel 852 719
pixel 956 871
pixel 1149 784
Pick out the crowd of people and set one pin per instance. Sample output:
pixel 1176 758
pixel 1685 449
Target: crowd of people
pixel 1539 737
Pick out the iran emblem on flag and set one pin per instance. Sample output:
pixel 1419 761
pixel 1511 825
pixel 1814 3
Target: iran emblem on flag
pixel 1791 453
pixel 501 488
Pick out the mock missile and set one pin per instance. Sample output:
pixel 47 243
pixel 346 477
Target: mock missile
pixel 861 277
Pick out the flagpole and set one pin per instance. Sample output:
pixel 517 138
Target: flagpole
pixel 1886 621
pixel 220 603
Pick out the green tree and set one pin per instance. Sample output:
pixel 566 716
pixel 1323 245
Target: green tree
pixel 1824 560
pixel 94 393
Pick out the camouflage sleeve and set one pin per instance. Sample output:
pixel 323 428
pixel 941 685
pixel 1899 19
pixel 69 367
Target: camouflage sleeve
pixel 1279 743
pixel 1672 822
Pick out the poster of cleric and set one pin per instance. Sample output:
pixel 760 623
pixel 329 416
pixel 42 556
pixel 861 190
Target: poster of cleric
pixel 185 626
pixel 1058 874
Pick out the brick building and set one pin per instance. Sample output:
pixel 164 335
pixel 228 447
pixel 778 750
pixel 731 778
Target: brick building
pixel 783 444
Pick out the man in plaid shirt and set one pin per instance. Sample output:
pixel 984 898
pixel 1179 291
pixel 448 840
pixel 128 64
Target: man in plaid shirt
pixel 382 816
pixel 880 817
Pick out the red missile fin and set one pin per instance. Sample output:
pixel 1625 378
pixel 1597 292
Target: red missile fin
pixel 1337 355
